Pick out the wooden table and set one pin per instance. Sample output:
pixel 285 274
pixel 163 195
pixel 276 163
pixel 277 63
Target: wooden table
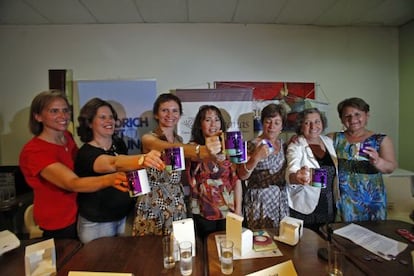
pixel 12 262
pixel 303 255
pixel 357 254
pixel 137 255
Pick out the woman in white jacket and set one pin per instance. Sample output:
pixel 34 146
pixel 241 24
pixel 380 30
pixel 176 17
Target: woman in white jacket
pixel 312 200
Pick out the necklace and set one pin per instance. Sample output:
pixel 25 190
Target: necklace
pixel 99 145
pixel 111 149
pixel 215 168
pixel 63 142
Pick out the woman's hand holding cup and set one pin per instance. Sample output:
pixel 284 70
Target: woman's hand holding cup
pixel 303 176
pixel 118 180
pixel 153 159
pixel 214 144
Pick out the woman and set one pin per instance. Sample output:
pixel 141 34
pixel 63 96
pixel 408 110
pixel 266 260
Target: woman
pixel 215 186
pixel 312 150
pixel 156 210
pixel 47 162
pixel 265 200
pixel 361 185
pixel 103 213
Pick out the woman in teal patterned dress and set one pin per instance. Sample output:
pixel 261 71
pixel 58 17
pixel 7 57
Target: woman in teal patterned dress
pixel 360 168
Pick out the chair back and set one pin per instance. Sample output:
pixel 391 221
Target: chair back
pixel 31 227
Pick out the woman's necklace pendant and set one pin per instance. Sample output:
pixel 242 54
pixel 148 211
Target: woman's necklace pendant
pixel 215 168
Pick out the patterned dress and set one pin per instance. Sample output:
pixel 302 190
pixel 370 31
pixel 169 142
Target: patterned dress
pixel 265 200
pixel 361 185
pixel 213 191
pixel 156 210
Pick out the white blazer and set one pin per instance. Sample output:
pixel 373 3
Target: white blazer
pixel 304 198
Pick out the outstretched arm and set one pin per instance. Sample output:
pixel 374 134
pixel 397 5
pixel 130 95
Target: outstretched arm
pixel 65 178
pixel 212 147
pixel 108 163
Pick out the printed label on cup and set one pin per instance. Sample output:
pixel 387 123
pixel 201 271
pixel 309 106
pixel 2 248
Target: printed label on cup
pixel 319 178
pixel 234 143
pixel 240 159
pixel 174 159
pixel 138 182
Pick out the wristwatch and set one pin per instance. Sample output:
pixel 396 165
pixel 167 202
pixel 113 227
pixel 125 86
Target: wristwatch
pixel 141 160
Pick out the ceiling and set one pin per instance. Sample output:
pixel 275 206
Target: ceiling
pixel 392 13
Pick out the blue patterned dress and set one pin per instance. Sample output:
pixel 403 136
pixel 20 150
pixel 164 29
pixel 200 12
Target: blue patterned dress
pixel 361 186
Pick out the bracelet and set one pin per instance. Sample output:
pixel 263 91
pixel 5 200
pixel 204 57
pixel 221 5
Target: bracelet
pixel 247 170
pixel 197 151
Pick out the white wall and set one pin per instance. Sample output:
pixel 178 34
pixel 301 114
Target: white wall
pixel 345 62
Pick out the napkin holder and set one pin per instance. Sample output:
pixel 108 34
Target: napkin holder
pixel 241 237
pixel 290 230
pixel 40 258
pixel 183 230
pixel 8 241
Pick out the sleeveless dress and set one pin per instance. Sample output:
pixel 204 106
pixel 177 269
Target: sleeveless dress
pixel 156 211
pixel 361 185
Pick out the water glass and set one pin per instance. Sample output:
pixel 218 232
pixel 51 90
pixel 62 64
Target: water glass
pixel 335 261
pixel 226 260
pixel 186 258
pixel 168 252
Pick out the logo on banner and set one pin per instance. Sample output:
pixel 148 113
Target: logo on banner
pixel 129 130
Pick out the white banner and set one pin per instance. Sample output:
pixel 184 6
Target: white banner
pixel 234 103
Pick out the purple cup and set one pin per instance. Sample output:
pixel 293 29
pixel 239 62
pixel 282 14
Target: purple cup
pixel 240 159
pixel 174 159
pixel 363 145
pixel 320 178
pixel 138 182
pixel 234 143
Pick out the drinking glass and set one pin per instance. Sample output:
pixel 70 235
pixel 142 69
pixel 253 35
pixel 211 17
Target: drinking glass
pixel 168 252
pixel 186 258
pixel 335 261
pixel 226 260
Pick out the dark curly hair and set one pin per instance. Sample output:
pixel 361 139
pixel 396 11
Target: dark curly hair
pixel 86 115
